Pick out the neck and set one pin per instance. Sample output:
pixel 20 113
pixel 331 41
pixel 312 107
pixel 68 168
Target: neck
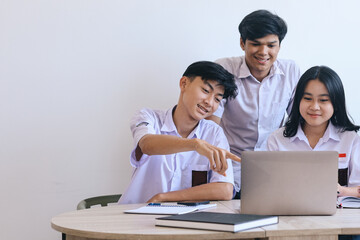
pixel 259 75
pixel 183 123
pixel 313 134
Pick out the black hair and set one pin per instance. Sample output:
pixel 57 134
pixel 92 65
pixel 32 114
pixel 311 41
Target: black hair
pixel 212 71
pixel 261 23
pixel 333 84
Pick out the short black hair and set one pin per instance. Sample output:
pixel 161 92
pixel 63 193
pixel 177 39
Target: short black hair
pixel 333 84
pixel 261 23
pixel 212 71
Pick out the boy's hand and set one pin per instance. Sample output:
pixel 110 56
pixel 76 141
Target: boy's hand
pixel 217 156
pixel 155 199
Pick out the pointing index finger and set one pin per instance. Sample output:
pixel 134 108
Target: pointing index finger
pixel 233 157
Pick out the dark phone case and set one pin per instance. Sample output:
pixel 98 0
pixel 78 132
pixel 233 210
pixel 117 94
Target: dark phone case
pixel 193 203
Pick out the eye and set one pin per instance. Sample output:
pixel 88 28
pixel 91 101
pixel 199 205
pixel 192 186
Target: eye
pixel 255 44
pixel 205 90
pixel 307 98
pixel 217 100
pixel 324 100
pixel 271 46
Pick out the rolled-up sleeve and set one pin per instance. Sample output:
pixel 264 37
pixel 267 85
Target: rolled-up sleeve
pixel 142 123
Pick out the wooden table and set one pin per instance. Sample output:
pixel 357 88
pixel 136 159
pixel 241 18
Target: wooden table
pixel 111 223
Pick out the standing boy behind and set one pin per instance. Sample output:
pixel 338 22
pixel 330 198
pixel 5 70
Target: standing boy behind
pixel 265 84
pixel 179 155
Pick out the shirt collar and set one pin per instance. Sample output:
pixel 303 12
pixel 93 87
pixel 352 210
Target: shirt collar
pixel 299 134
pixel 169 125
pixel 331 132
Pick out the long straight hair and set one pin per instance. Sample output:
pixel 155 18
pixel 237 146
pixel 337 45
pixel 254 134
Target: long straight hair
pixel 333 84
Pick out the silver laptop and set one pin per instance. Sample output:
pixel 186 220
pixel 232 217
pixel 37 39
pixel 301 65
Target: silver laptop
pixel 289 183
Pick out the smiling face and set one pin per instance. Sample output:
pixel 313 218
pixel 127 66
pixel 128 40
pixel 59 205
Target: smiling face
pixel 315 106
pixel 260 54
pixel 199 98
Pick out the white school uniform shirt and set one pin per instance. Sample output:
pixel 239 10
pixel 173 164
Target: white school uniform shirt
pixel 259 108
pixel 164 173
pixel 347 143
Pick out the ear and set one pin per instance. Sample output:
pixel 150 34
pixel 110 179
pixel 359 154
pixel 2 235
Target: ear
pixel 242 44
pixel 183 83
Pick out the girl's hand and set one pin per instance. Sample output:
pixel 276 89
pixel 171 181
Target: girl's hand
pixel 348 191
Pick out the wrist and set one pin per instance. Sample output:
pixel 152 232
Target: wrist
pixel 194 144
pixel 341 191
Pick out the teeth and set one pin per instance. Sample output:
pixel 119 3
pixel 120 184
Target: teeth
pixel 261 60
pixel 202 108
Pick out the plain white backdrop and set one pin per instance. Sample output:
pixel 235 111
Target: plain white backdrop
pixel 73 72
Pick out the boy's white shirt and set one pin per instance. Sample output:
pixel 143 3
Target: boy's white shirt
pixel 163 173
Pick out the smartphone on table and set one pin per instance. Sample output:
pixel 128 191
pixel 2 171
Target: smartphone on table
pixel 193 203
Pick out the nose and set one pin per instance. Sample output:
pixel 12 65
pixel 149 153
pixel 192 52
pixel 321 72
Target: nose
pixel 209 100
pixel 315 105
pixel 263 49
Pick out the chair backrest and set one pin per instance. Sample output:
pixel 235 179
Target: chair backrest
pixel 99 200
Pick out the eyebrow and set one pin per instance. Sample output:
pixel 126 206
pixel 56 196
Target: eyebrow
pixel 321 95
pixel 212 88
pixel 256 41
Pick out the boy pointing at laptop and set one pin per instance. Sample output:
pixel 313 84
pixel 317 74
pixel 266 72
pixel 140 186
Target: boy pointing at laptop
pixel 177 147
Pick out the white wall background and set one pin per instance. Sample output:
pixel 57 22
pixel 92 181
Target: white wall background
pixel 72 73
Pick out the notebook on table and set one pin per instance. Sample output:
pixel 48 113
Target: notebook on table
pixel 216 221
pixel 167 209
pixel 289 182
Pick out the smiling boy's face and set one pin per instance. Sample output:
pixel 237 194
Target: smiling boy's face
pixel 260 54
pixel 200 98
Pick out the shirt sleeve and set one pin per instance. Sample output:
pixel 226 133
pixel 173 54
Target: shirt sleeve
pixel 295 76
pixel 225 64
pixel 219 112
pixel 142 123
pixel 354 165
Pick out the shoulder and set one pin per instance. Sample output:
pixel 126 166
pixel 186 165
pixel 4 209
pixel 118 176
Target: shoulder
pixel 278 136
pixel 147 112
pixel 150 116
pixel 211 132
pixel 287 63
pixel 288 66
pixel 278 133
pixel 209 125
pixel 349 137
pixel 231 63
pixel 289 70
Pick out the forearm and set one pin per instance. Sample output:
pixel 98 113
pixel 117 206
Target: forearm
pixel 211 191
pixel 349 191
pixel 152 144
pixel 155 144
